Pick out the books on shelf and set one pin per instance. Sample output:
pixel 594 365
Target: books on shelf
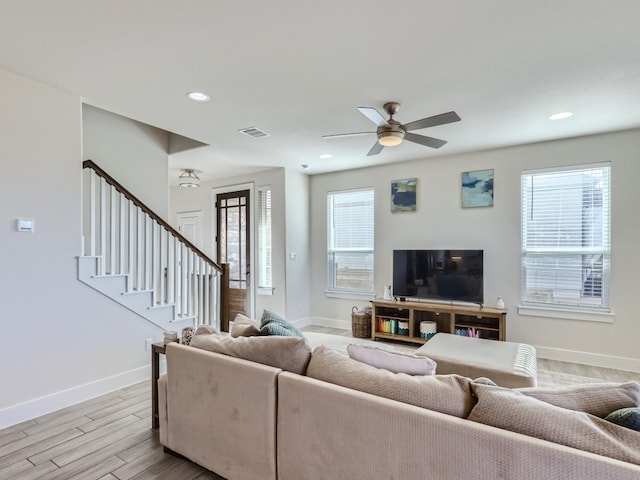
pixel 468 332
pixel 387 325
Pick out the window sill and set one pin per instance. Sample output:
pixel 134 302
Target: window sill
pixel 350 295
pixel 550 312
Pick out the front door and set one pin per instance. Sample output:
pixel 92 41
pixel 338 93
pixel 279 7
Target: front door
pixel 233 246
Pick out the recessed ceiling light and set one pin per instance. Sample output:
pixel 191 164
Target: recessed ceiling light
pixel 561 115
pixel 198 96
pixel 326 155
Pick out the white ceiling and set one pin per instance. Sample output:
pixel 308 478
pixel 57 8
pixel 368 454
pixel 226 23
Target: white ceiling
pixel 298 70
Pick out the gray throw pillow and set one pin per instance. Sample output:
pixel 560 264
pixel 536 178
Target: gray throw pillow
pixel 626 417
pixel 274 324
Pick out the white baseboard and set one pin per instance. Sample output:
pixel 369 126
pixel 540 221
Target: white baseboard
pixel 586 358
pixel 302 322
pixel 72 396
pixel 331 322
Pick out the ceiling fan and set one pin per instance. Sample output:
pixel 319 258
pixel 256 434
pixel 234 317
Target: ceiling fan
pixel 391 132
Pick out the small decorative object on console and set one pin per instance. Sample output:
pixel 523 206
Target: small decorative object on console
pixel 187 335
pixel 500 303
pixel 427 329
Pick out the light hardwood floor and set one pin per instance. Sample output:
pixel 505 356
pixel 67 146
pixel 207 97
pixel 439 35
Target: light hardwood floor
pixel 110 437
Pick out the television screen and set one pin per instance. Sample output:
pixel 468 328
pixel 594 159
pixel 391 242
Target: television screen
pixel 448 275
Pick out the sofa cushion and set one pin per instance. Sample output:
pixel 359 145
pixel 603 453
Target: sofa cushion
pixel 273 324
pixel 450 394
pixel 395 362
pixel 514 411
pixel 243 326
pixel 599 399
pixel 288 353
pixel 626 417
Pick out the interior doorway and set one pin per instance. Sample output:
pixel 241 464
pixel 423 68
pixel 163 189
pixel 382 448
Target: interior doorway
pixel 233 242
pixel 190 225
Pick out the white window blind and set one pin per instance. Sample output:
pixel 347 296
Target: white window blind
pixel 566 240
pixel 264 238
pixel 350 241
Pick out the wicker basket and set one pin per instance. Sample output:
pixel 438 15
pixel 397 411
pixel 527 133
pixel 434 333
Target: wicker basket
pixel 360 323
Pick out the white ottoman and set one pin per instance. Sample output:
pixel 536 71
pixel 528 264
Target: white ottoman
pixel 508 364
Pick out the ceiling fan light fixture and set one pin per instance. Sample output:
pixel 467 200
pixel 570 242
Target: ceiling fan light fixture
pixel 390 139
pixel 189 179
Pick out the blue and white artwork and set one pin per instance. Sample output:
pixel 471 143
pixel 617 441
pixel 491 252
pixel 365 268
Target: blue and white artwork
pixel 477 188
pixel 403 195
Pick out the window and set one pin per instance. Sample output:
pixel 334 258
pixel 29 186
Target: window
pixel 566 242
pixel 350 241
pixel 265 282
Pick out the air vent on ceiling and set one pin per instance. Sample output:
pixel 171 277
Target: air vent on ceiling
pixel 254 132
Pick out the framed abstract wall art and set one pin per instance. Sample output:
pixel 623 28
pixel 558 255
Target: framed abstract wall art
pixel 477 188
pixel 403 195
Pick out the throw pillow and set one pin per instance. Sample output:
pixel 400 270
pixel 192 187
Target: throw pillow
pixel 274 324
pixel 205 330
pixel 243 326
pixel 287 353
pixel 626 417
pixel 599 399
pixel 512 410
pixel 395 362
pixel 450 394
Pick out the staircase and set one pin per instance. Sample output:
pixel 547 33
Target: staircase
pixel 134 257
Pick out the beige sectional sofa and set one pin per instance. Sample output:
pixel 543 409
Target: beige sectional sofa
pixel 245 420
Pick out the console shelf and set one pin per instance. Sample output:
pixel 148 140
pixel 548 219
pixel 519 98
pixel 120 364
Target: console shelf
pixel 486 322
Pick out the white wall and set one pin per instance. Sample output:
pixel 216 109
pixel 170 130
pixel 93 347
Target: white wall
pixel 133 153
pixel 440 222
pixel 194 199
pixel 61 341
pixel 297 241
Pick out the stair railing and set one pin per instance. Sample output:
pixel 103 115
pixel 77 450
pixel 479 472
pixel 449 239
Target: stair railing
pixel 128 238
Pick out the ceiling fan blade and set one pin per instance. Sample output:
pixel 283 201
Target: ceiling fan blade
pixel 375 150
pixel 423 140
pixel 373 115
pixel 441 119
pixel 355 134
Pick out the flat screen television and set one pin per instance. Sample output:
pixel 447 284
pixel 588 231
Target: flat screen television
pixel 444 275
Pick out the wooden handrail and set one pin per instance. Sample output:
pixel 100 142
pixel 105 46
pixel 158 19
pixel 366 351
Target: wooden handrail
pixel 113 182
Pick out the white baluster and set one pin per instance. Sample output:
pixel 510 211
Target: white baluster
pixel 92 213
pixel 112 230
pixel 171 274
pixel 177 277
pixel 132 244
pixel 139 246
pixel 163 266
pixel 103 227
pixel 123 204
pixel 147 252
pixel 155 262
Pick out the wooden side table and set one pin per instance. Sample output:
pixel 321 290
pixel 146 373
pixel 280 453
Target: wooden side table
pixel 156 350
